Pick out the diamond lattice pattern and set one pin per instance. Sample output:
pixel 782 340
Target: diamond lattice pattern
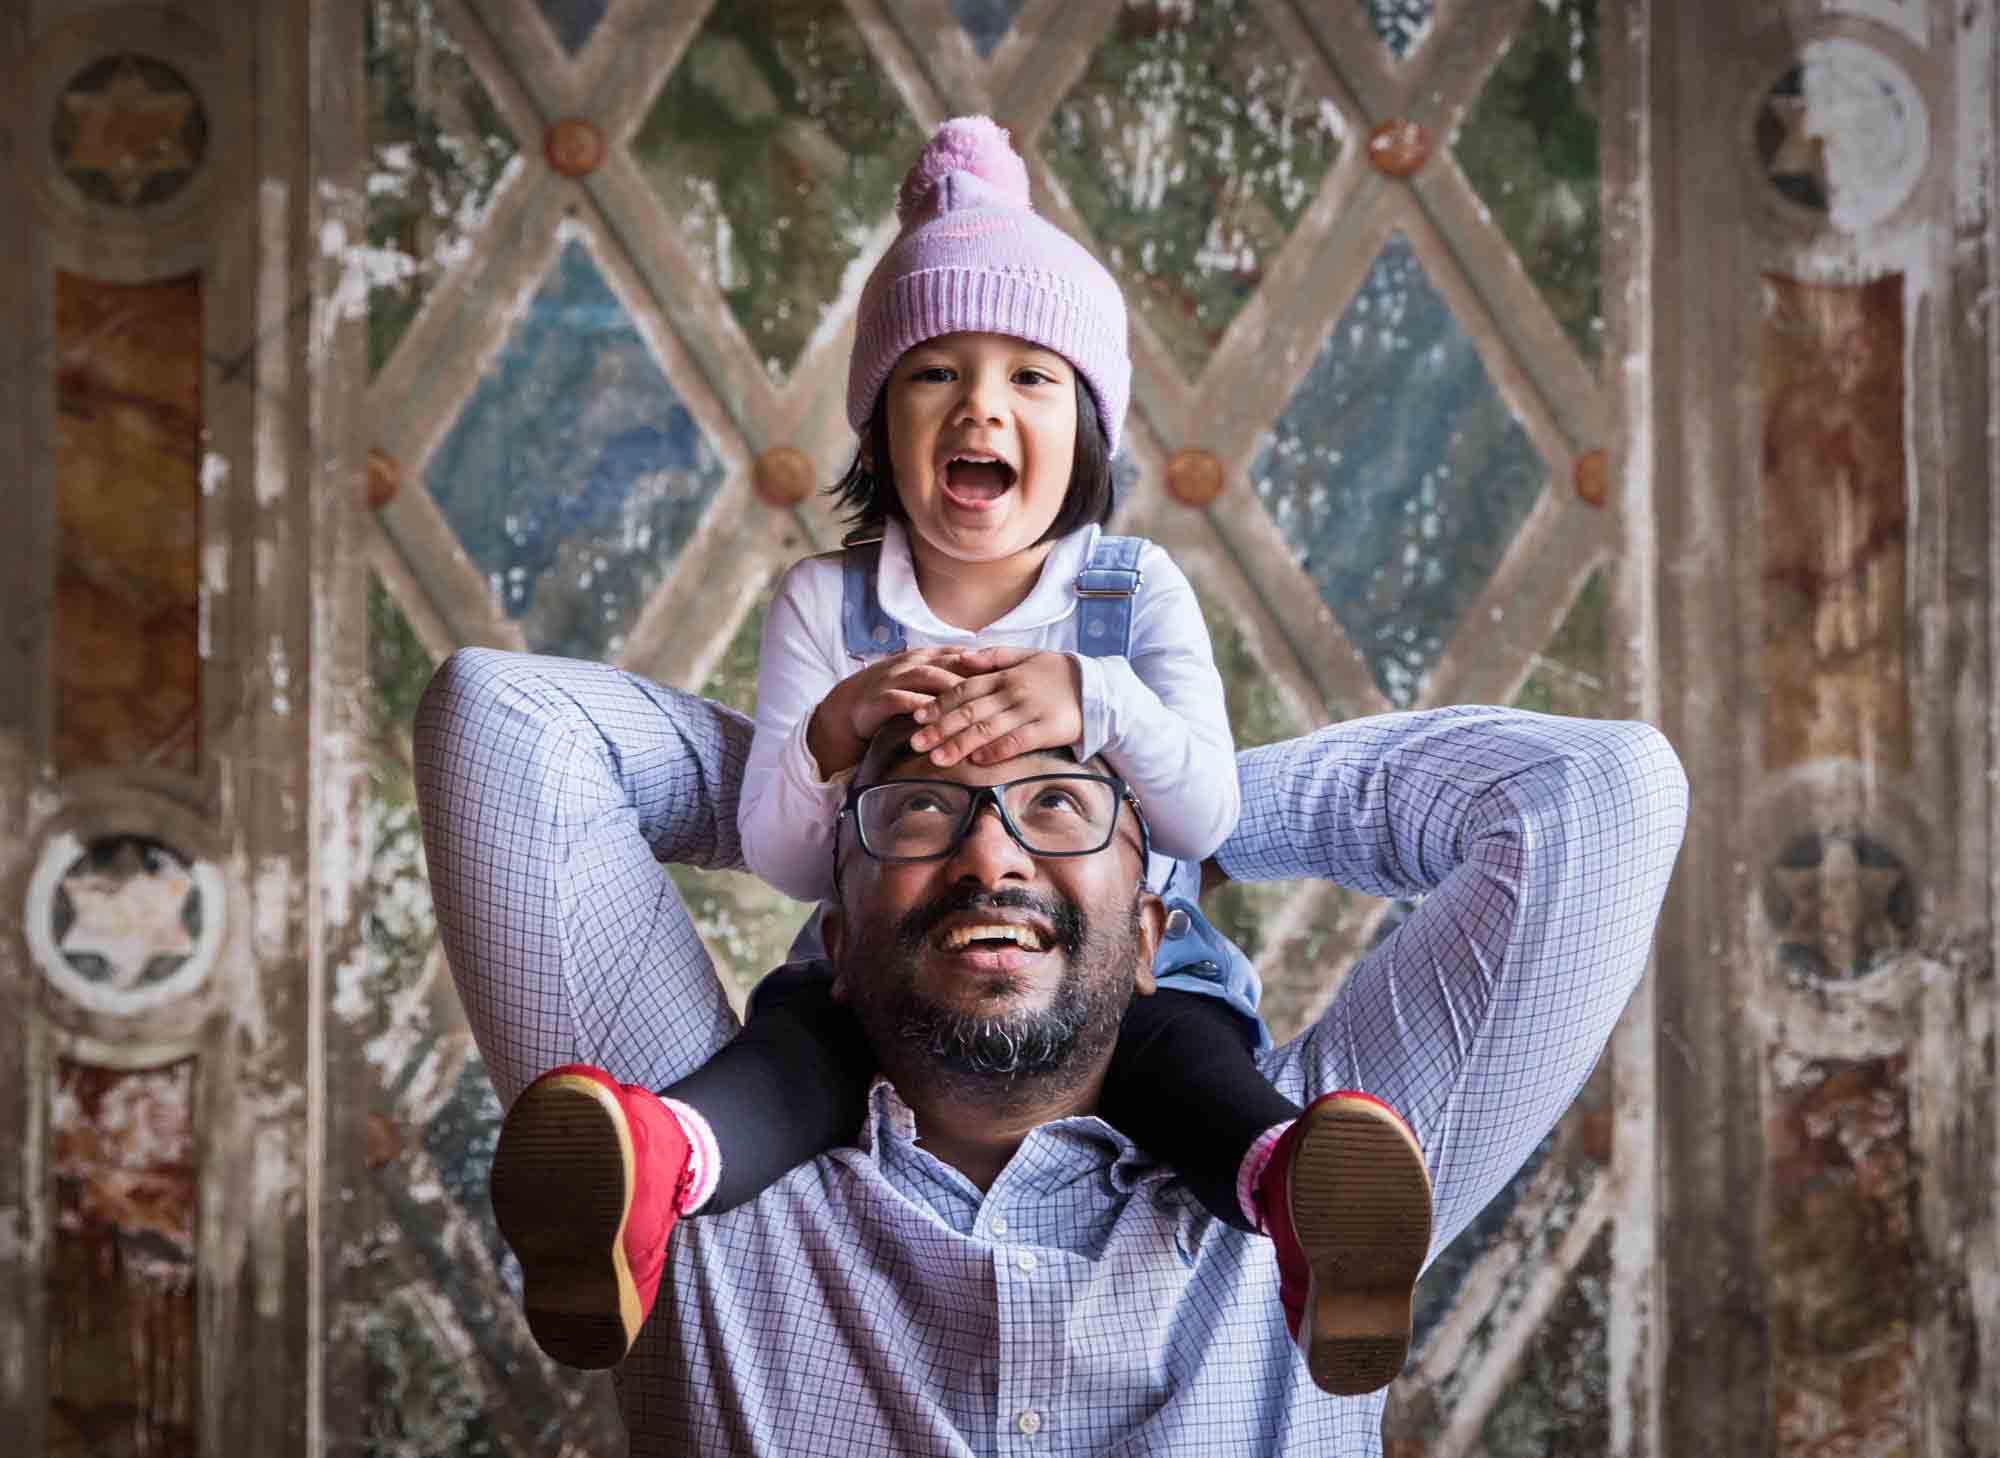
pixel 1398 514
pixel 1191 147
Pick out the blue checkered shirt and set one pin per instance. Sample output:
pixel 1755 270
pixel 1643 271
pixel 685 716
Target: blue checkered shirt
pixel 876 1301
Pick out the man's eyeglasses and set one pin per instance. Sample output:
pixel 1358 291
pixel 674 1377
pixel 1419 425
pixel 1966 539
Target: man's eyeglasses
pixel 900 821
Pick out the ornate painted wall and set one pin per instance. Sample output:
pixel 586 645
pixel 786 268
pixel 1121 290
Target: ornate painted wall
pixel 1601 358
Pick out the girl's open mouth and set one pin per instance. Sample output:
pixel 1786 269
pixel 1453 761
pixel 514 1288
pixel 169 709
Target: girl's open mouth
pixel 976 481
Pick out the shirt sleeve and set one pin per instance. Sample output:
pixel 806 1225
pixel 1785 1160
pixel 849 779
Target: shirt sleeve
pixel 1159 718
pixel 786 814
pixel 1541 848
pixel 550 790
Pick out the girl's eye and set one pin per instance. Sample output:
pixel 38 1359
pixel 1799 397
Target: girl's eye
pixel 1032 376
pixel 932 374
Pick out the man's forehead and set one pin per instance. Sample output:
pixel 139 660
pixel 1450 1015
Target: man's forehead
pixel 905 763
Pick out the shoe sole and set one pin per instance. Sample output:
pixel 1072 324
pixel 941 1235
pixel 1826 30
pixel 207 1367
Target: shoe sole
pixel 563 1173
pixel 1361 1208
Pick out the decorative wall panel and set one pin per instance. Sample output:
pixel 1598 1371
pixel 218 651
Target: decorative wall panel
pixel 1191 147
pixel 777 147
pixel 1397 515
pixel 1842 1267
pixel 1834 524
pixel 122 1360
pixel 1529 147
pixel 128 508
pixel 574 474
pixel 438 152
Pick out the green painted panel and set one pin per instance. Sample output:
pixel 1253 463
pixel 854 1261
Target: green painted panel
pixel 1572 673
pixel 1529 148
pixel 437 152
pixel 1558 1403
pixel 1191 147
pixel 776 147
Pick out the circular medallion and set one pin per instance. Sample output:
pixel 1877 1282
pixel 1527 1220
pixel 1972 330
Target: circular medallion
pixel 129 131
pixel 1838 902
pixel 1194 476
pixel 1593 477
pixel 574 147
pixel 385 478
pixel 123 923
pixel 1399 148
pixel 782 476
pixel 1843 136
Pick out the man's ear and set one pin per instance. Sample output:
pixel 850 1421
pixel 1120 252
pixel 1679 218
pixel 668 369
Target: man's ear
pixel 833 936
pixel 1152 926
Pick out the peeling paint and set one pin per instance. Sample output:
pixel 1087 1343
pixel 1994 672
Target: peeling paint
pixel 281 678
pixel 1975 141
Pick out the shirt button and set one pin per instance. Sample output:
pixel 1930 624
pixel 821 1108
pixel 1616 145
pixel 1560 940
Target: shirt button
pixel 1177 924
pixel 1029 1422
pixel 1026 1260
pixel 998 1225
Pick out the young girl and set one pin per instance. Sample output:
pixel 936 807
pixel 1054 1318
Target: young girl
pixel 988 383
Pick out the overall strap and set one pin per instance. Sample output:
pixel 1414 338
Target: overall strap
pixel 869 631
pixel 1104 591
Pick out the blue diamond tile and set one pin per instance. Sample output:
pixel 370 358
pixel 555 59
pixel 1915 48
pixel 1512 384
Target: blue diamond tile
pixel 1403 25
pixel 986 22
pixel 573 21
pixel 1397 474
pixel 575 474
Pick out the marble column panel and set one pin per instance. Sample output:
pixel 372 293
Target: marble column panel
pixel 1841 1269
pixel 126 660
pixel 1834 524
pixel 121 1268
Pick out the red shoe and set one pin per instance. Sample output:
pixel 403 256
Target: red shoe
pixel 1347 1201
pixel 586 1184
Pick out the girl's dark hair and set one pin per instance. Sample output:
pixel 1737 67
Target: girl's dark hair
pixel 867 494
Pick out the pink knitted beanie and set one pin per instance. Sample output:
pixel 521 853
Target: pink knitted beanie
pixel 973 255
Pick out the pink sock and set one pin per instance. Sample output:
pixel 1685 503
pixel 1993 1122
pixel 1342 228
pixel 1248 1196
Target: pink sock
pixel 704 1158
pixel 1250 1174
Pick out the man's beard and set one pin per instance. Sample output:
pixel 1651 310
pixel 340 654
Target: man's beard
pixel 993 1054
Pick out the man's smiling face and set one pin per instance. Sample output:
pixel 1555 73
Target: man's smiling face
pixel 991 963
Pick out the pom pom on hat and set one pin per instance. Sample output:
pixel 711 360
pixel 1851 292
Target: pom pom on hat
pixel 975 144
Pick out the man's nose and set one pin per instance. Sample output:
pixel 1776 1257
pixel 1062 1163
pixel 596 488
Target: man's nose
pixel 988 853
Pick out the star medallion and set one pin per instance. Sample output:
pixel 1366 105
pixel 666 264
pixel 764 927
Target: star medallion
pixel 129 131
pixel 128 914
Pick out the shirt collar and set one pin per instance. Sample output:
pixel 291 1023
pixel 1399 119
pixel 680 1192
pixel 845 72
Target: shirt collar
pixel 1052 598
pixel 890 1121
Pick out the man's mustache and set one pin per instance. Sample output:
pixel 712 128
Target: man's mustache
pixel 1065 918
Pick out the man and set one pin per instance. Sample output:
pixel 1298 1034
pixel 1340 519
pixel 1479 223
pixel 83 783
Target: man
pixel 973 1279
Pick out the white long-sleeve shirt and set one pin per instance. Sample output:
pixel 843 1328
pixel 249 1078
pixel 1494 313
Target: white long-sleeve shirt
pixel 1157 716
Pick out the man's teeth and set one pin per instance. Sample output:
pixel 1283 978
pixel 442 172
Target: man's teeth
pixel 1026 937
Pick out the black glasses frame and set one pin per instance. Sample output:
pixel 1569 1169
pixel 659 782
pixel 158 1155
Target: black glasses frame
pixel 983 795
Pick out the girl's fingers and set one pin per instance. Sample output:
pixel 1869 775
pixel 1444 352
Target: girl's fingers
pixel 929 681
pixel 989 732
pixel 992 659
pixel 885 705
pixel 1025 737
pixel 964 703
